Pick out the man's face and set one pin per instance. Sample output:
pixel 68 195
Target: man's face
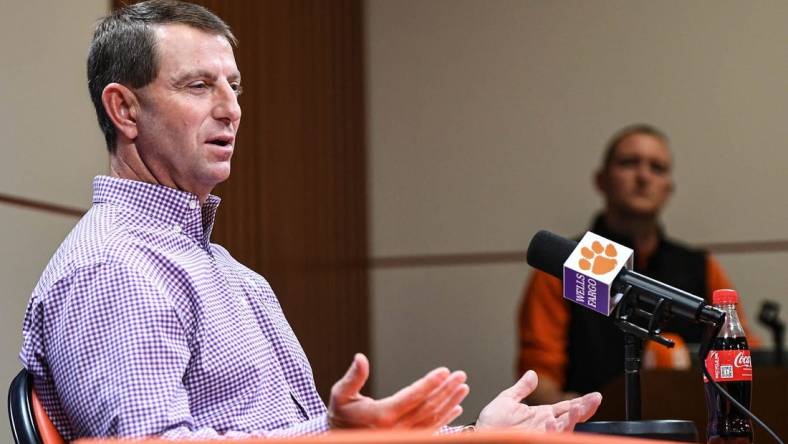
pixel 637 181
pixel 189 114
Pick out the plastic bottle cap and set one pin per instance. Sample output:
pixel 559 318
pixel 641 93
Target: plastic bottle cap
pixel 724 296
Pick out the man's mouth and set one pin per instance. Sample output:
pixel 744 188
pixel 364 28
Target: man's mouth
pixel 221 141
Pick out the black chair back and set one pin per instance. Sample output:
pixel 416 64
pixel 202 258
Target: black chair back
pixel 20 410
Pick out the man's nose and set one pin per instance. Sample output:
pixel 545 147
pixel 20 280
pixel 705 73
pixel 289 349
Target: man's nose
pixel 227 106
pixel 644 171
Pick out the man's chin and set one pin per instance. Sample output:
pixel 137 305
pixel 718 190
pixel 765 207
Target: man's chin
pixel 223 177
pixel 219 173
pixel 642 213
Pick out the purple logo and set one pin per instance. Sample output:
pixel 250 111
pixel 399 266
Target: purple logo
pixel 586 291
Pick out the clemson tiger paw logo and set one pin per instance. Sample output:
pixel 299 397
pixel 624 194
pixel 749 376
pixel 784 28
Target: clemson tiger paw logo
pixel 594 260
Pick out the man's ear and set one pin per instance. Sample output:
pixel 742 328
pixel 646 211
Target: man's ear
pixel 122 106
pixel 600 180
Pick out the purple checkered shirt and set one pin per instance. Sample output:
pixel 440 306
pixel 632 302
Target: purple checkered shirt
pixel 140 326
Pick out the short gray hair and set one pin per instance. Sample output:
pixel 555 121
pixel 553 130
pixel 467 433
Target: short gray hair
pixel 123 49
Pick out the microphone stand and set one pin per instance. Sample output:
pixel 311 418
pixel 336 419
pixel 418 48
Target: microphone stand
pixel 633 349
pixel 630 316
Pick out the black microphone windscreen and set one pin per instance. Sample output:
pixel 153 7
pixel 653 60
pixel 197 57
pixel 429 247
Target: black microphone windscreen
pixel 548 252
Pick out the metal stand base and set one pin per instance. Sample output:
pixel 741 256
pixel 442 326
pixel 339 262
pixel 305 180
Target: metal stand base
pixel 663 429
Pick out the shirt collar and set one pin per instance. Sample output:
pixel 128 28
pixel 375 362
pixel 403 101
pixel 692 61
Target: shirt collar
pixel 179 209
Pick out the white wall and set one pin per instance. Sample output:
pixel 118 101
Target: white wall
pixel 487 118
pixel 51 148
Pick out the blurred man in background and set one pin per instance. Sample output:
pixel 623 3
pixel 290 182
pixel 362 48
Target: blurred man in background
pixel 576 350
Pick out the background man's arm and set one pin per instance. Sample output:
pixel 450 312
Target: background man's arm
pixel 716 279
pixel 543 325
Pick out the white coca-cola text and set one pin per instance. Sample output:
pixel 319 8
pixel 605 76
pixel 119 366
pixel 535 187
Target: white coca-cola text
pixel 742 360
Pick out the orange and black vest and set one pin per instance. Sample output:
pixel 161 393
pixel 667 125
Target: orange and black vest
pixel 595 346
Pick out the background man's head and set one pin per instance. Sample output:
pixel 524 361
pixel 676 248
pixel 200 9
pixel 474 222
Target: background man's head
pixel 635 177
pixel 123 49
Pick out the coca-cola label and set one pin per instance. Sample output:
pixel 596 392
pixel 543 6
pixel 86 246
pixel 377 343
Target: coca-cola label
pixel 729 365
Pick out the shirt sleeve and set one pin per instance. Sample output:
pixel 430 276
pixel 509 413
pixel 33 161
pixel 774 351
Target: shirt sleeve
pixel 118 354
pixel 450 430
pixel 313 426
pixel 543 324
pixel 715 280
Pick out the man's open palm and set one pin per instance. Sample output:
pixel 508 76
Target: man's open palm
pixel 429 403
pixel 508 411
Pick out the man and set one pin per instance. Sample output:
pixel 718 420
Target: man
pixel 574 349
pixel 140 326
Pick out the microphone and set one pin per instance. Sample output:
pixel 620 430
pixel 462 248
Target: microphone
pixel 556 255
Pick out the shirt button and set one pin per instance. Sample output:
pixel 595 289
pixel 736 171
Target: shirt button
pixel 193 204
pixel 176 228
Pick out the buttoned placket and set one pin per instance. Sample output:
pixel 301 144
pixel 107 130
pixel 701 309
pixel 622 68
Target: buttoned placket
pixel 194 205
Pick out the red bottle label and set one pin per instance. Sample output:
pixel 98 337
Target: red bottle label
pixel 729 365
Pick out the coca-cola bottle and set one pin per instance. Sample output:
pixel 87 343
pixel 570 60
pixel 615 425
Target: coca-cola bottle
pixel 730 366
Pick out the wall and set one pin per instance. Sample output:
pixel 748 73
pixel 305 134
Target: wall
pixel 486 120
pixel 294 208
pixel 51 148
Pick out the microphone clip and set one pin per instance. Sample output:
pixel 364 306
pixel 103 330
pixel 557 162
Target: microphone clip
pixel 635 318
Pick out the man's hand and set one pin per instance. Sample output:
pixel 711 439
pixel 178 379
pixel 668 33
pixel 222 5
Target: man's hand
pixel 549 391
pixel 507 410
pixel 429 403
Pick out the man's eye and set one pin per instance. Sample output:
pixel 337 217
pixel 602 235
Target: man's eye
pixel 198 85
pixel 659 168
pixel 237 88
pixel 628 162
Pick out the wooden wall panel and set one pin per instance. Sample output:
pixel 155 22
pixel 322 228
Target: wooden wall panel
pixel 294 208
